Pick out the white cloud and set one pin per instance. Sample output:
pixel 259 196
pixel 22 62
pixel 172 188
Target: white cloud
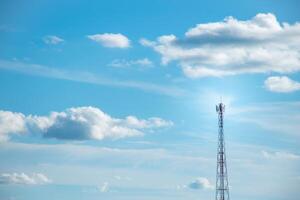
pixel 11 122
pixel 146 42
pixel 181 187
pixel 281 84
pixel 280 155
pixel 104 187
pixel 153 122
pixel 52 39
pixel 232 46
pixel 144 62
pixel 24 179
pixel 201 183
pixel 111 40
pixel 119 178
pixel 79 123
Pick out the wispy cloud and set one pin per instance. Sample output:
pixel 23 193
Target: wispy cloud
pixel 140 63
pixel 24 179
pixel 201 183
pixel 87 77
pixel 52 39
pixel 111 40
pixel 280 155
pixel 104 187
pixel 279 117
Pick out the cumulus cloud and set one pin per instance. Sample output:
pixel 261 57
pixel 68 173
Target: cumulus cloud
pixel 201 183
pixel 233 46
pixel 111 40
pixel 79 123
pixel 52 39
pixel 144 62
pixel 11 122
pixel 281 84
pixel 24 179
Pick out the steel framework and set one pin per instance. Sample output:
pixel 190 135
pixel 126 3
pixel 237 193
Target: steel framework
pixel 222 190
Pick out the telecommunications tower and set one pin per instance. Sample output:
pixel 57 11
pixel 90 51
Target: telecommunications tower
pixel 222 190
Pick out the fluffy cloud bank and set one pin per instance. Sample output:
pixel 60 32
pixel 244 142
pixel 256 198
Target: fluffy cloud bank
pixel 24 179
pixel 111 40
pixel 201 183
pixel 79 123
pixel 281 84
pixel 233 46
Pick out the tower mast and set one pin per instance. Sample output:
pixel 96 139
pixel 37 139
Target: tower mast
pixel 222 190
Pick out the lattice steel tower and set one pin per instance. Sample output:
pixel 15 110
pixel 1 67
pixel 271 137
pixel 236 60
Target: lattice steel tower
pixel 222 190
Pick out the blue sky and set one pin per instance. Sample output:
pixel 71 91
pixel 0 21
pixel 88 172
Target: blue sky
pixel 116 99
